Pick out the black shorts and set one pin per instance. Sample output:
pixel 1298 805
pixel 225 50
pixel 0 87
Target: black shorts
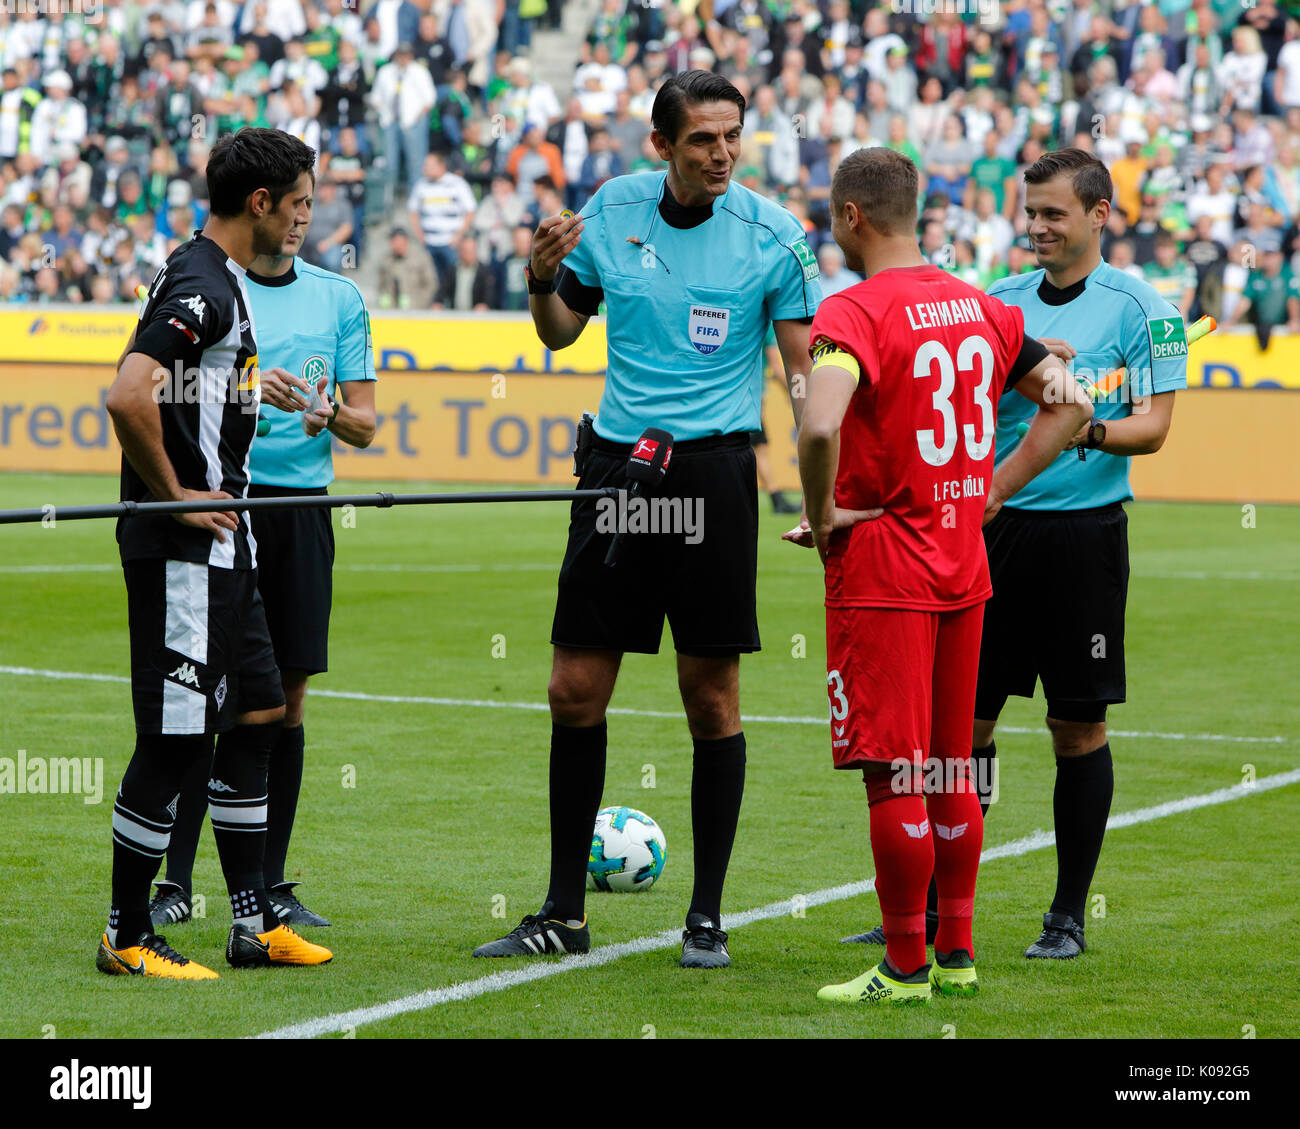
pixel 200 650
pixel 1078 560
pixel 705 589
pixel 295 574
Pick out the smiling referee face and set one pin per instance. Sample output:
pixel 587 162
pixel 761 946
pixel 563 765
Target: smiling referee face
pixel 702 158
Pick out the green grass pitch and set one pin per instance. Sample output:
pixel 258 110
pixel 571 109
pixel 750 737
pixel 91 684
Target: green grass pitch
pixel 420 819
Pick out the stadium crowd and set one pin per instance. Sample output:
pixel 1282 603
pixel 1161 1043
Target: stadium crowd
pixel 431 111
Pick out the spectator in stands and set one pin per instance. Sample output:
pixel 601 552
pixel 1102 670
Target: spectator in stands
pixel 58 119
pixel 1241 74
pixel 512 285
pixel 347 167
pixel 948 161
pixel 403 97
pixel 328 240
pixel 496 219
pixel 835 275
pixel 533 157
pixel 1121 257
pixel 1271 298
pixel 343 97
pixel 1173 278
pixel 470 284
pixel 602 162
pixel 407 280
pixel 441 208
pixel 1212 198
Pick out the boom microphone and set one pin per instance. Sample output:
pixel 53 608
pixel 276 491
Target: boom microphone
pixel 646 467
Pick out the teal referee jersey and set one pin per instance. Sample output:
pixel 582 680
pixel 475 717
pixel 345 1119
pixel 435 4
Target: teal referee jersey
pixel 1112 319
pixel 313 323
pixel 687 308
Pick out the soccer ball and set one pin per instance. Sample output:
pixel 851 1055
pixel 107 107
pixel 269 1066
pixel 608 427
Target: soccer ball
pixel 628 849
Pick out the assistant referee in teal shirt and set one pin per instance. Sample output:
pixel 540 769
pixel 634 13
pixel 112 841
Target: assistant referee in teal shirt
pixel 692 270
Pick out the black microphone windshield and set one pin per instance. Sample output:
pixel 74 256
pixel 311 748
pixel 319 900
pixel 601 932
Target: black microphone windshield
pixel 648 462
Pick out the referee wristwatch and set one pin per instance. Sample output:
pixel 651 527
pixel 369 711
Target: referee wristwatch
pixel 334 409
pixel 538 285
pixel 1096 436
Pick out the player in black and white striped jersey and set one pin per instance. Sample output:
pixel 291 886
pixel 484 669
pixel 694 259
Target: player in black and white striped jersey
pixel 184 406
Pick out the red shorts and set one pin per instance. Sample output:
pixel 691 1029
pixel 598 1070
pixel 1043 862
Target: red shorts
pixel 901 683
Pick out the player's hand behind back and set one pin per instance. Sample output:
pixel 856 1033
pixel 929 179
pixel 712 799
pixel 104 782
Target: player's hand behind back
pixel 554 238
pixel 806 537
pixel 215 522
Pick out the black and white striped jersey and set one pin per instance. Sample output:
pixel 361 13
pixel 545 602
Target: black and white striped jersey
pixel 198 325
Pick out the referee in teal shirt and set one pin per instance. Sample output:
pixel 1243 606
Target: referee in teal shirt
pixel 312 331
pixel 692 270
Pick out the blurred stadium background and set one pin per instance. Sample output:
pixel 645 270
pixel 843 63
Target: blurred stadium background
pixel 445 129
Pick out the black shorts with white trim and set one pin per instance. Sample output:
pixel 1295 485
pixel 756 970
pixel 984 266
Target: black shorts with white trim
pixel 201 654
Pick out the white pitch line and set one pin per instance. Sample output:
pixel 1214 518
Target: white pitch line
pixel 606 954
pixel 553 567
pixel 624 711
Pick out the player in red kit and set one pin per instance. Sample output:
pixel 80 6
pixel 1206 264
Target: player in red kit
pixel 896 458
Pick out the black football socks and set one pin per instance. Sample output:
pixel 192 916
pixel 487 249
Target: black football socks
pixel 237 804
pixel 143 814
pixel 191 807
pixel 283 782
pixel 577 782
pixel 717 786
pixel 1080 806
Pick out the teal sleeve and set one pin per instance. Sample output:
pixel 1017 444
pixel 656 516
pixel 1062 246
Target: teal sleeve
pixel 354 356
pixel 1153 355
pixel 793 283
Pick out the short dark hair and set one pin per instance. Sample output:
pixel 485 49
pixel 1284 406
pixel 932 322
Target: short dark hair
pixel 883 184
pixel 1088 175
pixel 241 163
pixel 690 88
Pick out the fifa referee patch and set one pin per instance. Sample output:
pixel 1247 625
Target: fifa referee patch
pixel 1168 338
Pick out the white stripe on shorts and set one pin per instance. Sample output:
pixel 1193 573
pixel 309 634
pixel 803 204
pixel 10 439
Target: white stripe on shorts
pixel 184 711
pixel 185 629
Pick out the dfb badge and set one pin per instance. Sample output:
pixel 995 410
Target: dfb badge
pixel 708 328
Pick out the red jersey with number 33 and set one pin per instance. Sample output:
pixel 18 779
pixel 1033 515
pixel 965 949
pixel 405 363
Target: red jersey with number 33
pixel 917 438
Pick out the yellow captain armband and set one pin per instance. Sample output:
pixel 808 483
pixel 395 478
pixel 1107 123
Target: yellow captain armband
pixel 829 354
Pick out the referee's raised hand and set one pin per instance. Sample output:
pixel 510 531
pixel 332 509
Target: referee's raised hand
pixel 554 238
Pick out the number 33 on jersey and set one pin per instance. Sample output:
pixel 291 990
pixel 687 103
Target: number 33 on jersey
pixel 917 439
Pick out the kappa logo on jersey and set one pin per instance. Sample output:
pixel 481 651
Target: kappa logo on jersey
pixel 185 673
pixel 645 449
pixel 220 692
pixel 807 260
pixel 917 830
pixel 219 786
pixel 708 328
pixel 197 306
pixel 1168 338
pixel 955 832
pixel 185 329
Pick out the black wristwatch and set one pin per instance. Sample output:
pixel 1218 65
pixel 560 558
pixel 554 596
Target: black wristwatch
pixel 538 285
pixel 334 408
pixel 1096 436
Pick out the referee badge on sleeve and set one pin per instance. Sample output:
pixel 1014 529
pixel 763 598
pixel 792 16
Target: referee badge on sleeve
pixel 708 328
pixel 1168 338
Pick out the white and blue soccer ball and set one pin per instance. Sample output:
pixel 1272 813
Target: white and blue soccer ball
pixel 628 849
